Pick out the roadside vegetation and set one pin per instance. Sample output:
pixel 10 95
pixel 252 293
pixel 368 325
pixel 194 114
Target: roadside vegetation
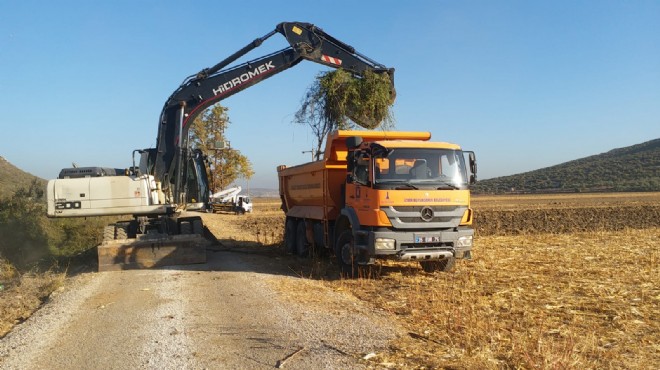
pixel 36 252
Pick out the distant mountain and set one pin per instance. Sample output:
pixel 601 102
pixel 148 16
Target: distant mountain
pixel 12 178
pixel 633 168
pixel 263 193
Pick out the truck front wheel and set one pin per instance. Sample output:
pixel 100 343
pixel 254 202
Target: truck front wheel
pixel 441 265
pixel 346 254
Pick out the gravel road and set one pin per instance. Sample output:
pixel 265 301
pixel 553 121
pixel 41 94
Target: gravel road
pixel 238 311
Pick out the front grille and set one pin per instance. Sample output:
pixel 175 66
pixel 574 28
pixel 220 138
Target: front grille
pixel 419 219
pixel 410 217
pixel 435 209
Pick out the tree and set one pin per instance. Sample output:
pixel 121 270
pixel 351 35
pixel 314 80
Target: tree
pixel 225 164
pixel 23 238
pixel 340 101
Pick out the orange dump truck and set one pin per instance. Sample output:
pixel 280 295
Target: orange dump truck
pixel 380 194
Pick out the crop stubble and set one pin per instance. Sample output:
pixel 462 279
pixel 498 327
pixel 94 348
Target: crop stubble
pixel 560 281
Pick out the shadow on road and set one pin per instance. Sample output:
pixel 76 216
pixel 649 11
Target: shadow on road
pixel 249 256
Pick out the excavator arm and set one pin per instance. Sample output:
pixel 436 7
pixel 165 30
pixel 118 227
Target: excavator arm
pixel 211 85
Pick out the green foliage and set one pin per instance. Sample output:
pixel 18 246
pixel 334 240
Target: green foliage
pixel 29 239
pixel 225 165
pixel 338 100
pixel 68 237
pixel 633 168
pixel 23 239
pixel 12 178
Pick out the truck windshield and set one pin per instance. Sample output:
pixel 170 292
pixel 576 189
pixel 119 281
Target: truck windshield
pixel 418 168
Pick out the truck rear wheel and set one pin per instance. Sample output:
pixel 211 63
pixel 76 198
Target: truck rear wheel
pixel 302 245
pixel 442 265
pixel 346 255
pixel 290 236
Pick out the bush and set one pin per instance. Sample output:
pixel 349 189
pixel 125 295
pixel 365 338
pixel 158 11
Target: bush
pixel 29 239
pixel 23 239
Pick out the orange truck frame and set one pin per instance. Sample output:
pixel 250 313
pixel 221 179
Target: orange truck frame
pixel 381 194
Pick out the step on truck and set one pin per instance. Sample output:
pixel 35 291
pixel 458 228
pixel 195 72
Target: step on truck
pixel 378 195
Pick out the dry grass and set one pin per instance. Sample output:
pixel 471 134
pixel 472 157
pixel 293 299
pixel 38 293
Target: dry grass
pixel 22 294
pixel 584 300
pixel 562 300
pixel 565 299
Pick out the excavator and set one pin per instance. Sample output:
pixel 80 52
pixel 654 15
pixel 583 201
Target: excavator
pixel 171 178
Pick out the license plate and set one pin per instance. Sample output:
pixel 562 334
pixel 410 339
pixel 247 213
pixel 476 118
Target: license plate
pixel 427 239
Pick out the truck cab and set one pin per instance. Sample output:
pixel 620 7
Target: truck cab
pixel 411 200
pixel 400 196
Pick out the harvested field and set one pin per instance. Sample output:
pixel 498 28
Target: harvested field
pixel 572 284
pixel 565 213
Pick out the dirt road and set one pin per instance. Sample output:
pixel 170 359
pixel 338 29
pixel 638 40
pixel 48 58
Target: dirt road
pixel 238 311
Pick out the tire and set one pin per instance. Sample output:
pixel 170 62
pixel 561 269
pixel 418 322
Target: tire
pixel 346 255
pixel 121 232
pixel 442 265
pixel 290 236
pixel 185 228
pixel 302 245
pixel 109 233
pixel 197 227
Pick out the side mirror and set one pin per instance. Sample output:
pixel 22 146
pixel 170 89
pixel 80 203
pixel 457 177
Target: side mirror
pixel 473 167
pixel 353 142
pixel 350 161
pixel 379 151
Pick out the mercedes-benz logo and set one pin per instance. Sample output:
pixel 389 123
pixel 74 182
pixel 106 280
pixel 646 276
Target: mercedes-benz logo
pixel 427 214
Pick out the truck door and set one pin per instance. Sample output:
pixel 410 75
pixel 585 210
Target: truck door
pixel 358 193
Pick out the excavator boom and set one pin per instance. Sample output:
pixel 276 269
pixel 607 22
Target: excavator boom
pixel 211 85
pixel 171 178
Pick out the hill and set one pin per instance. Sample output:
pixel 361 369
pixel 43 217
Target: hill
pixel 633 168
pixel 12 178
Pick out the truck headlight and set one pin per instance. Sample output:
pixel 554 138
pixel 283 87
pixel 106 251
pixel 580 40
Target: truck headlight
pixel 465 241
pixel 385 243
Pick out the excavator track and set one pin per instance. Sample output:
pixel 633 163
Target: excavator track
pixel 121 250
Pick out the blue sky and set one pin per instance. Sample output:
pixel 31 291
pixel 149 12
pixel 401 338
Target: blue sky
pixel 525 84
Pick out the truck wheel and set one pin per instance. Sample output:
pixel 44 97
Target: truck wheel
pixel 290 236
pixel 442 265
pixel 302 245
pixel 346 255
